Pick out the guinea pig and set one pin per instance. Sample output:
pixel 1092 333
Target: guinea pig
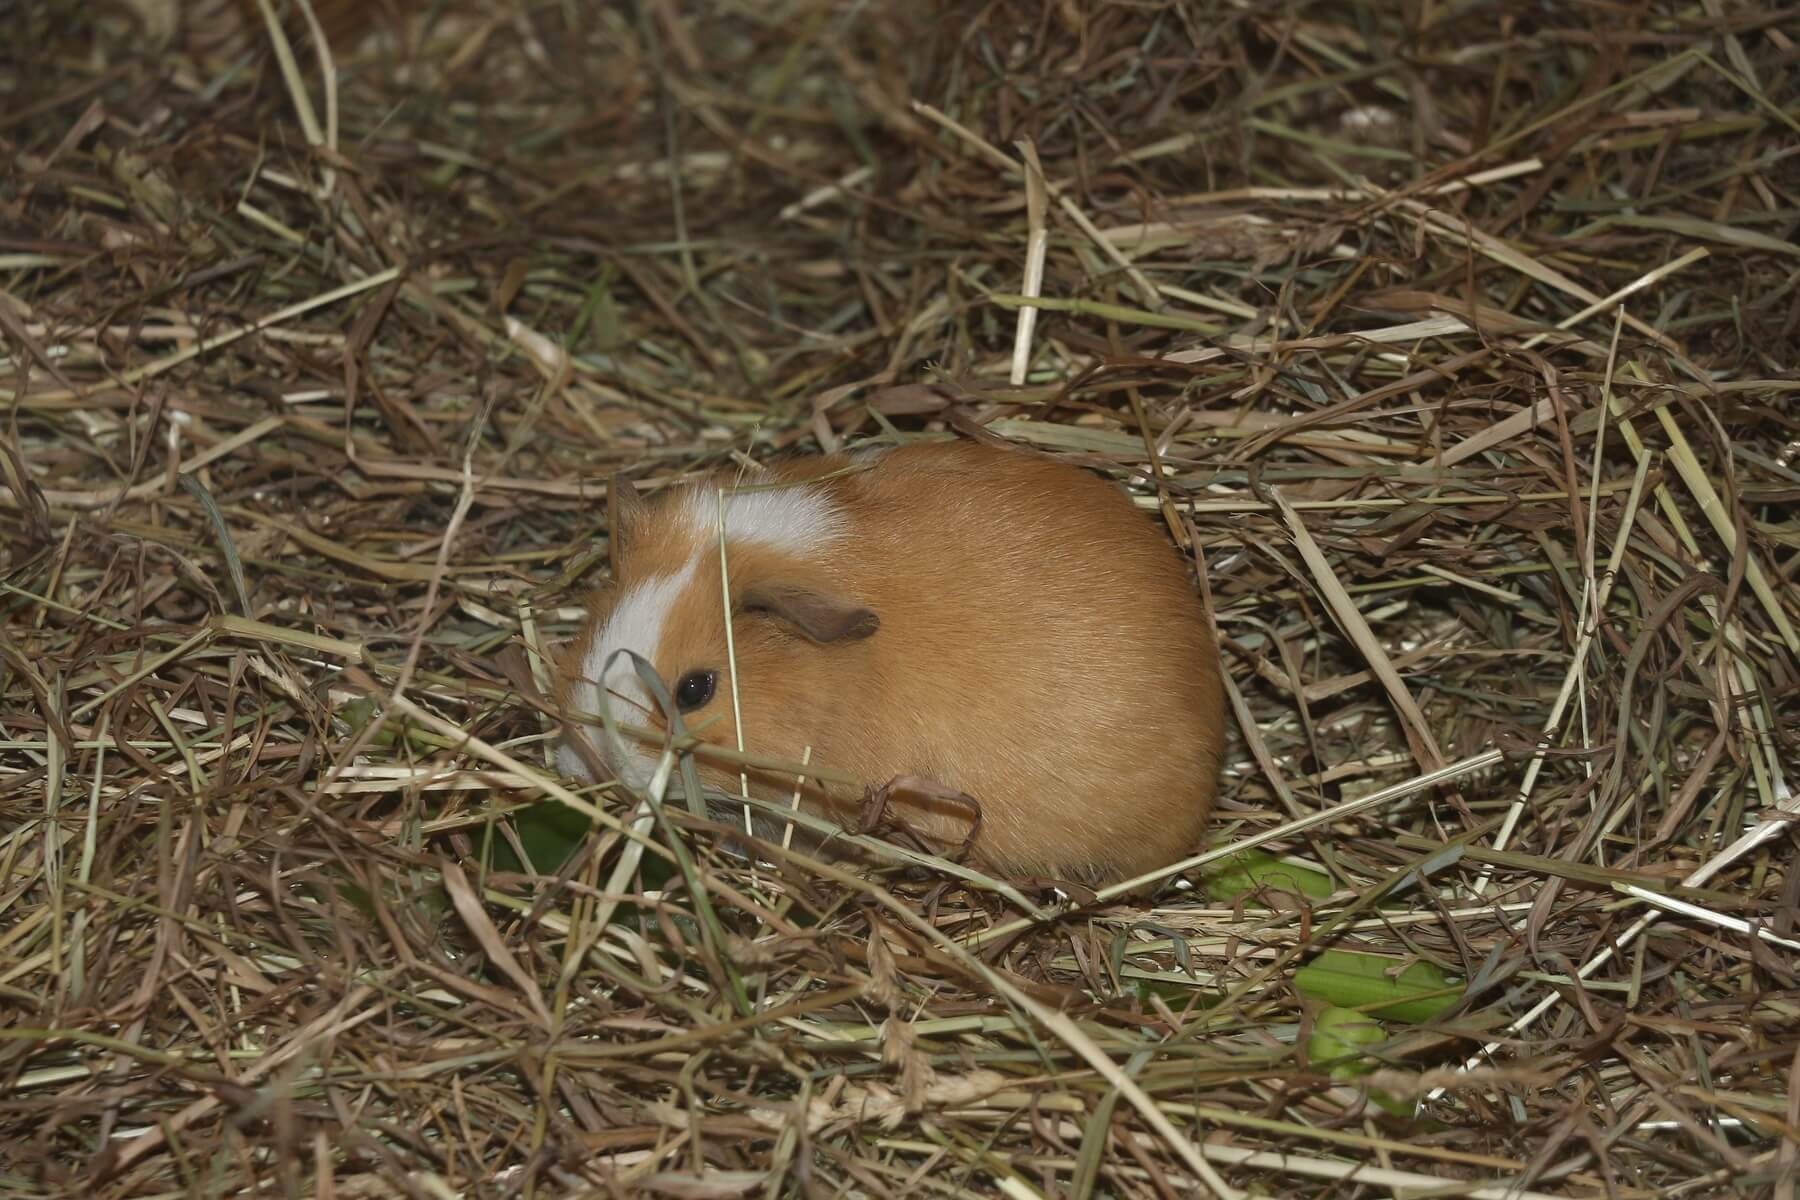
pixel 990 620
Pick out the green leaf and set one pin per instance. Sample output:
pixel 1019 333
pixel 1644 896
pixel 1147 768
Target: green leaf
pixel 1254 870
pixel 550 832
pixel 1338 1036
pixel 356 715
pixel 1368 983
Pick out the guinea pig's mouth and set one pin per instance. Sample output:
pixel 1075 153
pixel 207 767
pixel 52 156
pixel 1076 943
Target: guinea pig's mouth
pixel 586 742
pixel 634 764
pixel 620 754
pixel 632 758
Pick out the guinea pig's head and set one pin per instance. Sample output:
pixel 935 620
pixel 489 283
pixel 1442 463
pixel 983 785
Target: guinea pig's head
pixel 793 630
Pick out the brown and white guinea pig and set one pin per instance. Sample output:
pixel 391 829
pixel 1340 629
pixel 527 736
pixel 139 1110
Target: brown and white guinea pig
pixel 999 623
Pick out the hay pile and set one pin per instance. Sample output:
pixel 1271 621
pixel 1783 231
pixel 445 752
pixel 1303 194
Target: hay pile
pixel 1457 342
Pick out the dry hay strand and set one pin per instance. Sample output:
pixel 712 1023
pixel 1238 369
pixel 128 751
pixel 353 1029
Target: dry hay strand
pixel 1457 343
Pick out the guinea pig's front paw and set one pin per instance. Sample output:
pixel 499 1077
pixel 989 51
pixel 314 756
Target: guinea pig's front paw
pixel 923 811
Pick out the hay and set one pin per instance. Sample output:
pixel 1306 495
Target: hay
pixel 1457 342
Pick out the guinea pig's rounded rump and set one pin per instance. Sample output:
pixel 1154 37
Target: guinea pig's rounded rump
pixel 1049 656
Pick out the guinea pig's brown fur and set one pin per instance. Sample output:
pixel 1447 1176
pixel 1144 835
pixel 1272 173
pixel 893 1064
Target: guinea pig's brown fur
pixel 994 621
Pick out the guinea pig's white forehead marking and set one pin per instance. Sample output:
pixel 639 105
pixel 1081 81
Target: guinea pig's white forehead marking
pixel 636 624
pixel 794 519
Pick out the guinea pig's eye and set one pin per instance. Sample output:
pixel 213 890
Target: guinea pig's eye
pixel 695 689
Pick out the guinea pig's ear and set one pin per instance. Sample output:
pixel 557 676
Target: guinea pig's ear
pixel 822 617
pixel 625 508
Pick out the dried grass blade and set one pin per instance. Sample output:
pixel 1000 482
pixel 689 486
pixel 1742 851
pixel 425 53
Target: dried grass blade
pixel 234 566
pixel 1350 619
pixel 476 920
pixel 1681 453
pixel 1037 242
